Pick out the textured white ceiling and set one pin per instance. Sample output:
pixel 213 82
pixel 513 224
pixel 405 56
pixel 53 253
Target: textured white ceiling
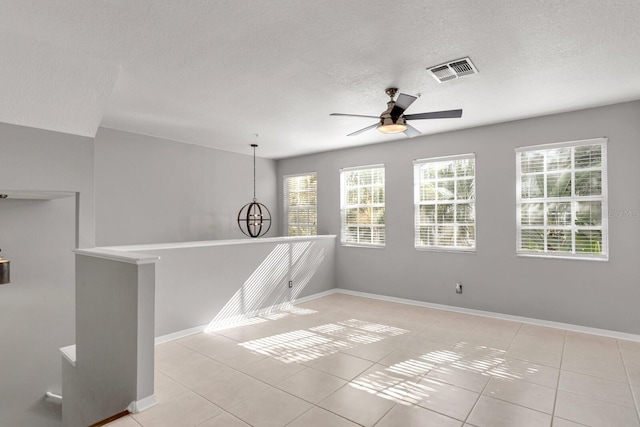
pixel 217 72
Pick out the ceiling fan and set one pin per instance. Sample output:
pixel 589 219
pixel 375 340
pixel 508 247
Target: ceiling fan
pixel 393 119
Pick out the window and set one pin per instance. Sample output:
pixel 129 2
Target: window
pixel 445 203
pixel 300 205
pixel 362 206
pixel 562 200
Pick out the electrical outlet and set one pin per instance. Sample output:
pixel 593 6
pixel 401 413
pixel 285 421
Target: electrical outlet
pixel 458 288
pixel 290 284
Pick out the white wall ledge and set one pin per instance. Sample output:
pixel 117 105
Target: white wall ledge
pixel 69 353
pixel 37 195
pixel 203 243
pixel 118 255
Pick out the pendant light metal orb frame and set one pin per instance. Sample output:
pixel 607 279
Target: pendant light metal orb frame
pixel 254 218
pixel 5 271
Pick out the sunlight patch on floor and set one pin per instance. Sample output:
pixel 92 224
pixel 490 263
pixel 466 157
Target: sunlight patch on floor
pixel 404 382
pixel 319 341
pixel 297 346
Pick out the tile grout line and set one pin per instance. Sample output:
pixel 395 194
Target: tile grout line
pixel 606 402
pixel 555 397
pixel 475 403
pixel 223 412
pixel 299 416
pixel 385 414
pixel 626 371
pixel 329 410
pixel 487 384
pixel 189 389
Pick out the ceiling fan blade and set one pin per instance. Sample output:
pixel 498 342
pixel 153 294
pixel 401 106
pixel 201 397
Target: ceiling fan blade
pixel 411 131
pixel 448 114
pixel 353 115
pixel 358 132
pixel 402 103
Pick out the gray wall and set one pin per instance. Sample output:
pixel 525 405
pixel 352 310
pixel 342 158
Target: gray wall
pixel 595 294
pixel 153 190
pixel 37 308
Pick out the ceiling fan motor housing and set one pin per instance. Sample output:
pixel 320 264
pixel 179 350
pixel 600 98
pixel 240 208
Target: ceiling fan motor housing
pixel 389 123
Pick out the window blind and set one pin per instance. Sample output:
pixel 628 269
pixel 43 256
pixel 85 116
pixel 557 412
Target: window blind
pixel 562 200
pixel 444 203
pixel 362 207
pixel 301 204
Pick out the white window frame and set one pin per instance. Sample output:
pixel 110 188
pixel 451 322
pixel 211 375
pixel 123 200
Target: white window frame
pixel 573 199
pixel 288 208
pixel 344 206
pixel 417 180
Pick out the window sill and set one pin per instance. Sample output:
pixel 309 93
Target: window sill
pixel 354 245
pixel 564 257
pixel 446 250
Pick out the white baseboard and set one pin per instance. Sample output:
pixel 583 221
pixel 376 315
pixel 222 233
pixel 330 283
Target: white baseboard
pixel 538 322
pixel 142 404
pixel 179 334
pixel 314 296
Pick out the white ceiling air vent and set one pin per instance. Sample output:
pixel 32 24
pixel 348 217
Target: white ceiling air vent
pixel 452 70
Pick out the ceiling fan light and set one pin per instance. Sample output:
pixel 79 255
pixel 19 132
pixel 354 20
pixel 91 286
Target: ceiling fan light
pixel 392 128
pixel 387 125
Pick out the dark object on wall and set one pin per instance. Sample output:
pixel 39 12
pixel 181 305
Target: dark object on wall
pixel 254 219
pixel 5 269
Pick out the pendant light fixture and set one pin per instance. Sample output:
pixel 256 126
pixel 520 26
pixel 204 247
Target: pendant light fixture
pixel 254 219
pixel 5 265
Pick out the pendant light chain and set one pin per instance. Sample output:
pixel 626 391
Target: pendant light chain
pixel 254 171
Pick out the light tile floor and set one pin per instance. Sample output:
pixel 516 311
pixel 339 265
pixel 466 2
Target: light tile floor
pixel 346 361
